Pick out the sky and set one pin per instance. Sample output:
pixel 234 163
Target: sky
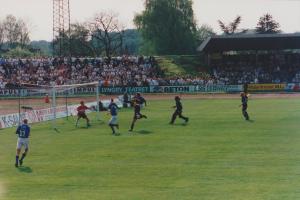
pixel 38 13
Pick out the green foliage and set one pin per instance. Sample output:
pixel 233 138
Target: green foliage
pixel 182 65
pixel 169 67
pixel 77 44
pixel 147 48
pixel 131 41
pixel 79 41
pixel 61 45
pixel 44 46
pixel 216 156
pixel 168 26
pixel 18 53
pixel 83 45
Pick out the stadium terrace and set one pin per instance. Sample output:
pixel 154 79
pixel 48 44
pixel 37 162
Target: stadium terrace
pixel 253 58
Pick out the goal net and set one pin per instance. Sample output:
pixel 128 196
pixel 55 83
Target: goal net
pixel 49 103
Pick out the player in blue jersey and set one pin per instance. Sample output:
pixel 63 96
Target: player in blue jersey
pixel 23 133
pixel 138 101
pixel 244 105
pixel 113 110
pixel 178 111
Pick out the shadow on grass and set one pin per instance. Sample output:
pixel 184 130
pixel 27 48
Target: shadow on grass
pixel 183 124
pixel 56 130
pixel 144 132
pixel 98 122
pixel 25 170
pixel 251 121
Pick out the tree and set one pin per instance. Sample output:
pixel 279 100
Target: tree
pixel 2 35
pixel 11 30
pixel 168 26
pixel 24 39
pixel 204 32
pixel 267 24
pixel 15 32
pixel 80 41
pixel 61 44
pixel 131 41
pixel 231 28
pixel 107 33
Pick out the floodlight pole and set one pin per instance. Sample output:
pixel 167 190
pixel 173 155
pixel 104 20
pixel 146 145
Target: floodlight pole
pixel 61 26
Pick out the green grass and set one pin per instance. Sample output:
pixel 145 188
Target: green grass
pixel 182 65
pixel 216 156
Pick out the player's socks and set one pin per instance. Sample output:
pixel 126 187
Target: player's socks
pixel 246 115
pixel 17 161
pixel 174 116
pixel 22 158
pixel 132 126
pixel 117 125
pixel 112 128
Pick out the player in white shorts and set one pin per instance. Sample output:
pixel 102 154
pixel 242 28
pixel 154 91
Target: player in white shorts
pixel 23 133
pixel 113 122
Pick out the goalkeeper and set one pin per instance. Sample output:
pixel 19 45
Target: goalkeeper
pixel 81 114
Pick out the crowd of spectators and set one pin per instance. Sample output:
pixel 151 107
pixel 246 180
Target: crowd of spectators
pixel 119 71
pixel 144 71
pixel 201 79
pixel 268 68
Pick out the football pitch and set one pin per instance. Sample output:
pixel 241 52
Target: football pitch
pixel 216 156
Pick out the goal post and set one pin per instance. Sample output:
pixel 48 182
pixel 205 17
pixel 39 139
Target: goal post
pixel 49 103
pixel 31 103
pixel 69 97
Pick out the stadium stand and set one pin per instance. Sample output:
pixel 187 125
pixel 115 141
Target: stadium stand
pixel 253 58
pixel 119 71
pixel 237 59
pixel 265 68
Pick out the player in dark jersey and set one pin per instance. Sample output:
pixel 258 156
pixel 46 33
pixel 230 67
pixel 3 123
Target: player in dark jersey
pixel 23 133
pixel 244 105
pixel 113 122
pixel 178 111
pixel 138 101
pixel 81 114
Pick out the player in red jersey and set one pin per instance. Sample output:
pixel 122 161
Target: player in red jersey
pixel 81 113
pixel 46 99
